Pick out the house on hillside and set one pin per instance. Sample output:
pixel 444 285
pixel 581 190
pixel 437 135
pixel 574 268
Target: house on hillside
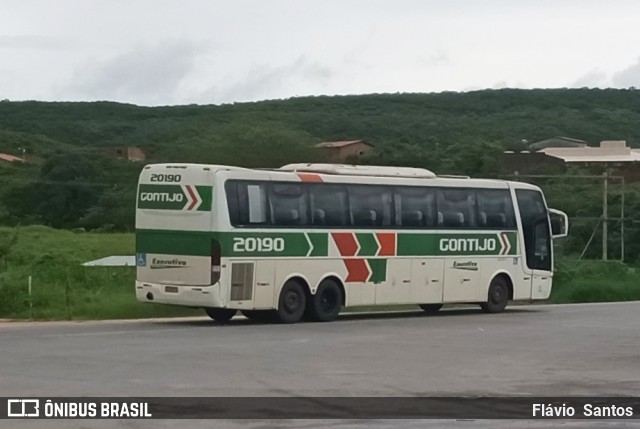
pixel 346 150
pixel 613 156
pixel 557 142
pixel 130 153
pixel 10 158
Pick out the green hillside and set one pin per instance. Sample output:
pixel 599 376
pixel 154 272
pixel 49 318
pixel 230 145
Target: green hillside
pixel 73 184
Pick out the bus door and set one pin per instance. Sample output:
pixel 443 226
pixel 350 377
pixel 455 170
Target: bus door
pixel 537 241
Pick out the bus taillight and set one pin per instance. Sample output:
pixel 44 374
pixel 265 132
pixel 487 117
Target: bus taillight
pixel 215 262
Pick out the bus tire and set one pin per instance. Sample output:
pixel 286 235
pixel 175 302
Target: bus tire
pixel 325 305
pixel 220 314
pixel 431 308
pixel 291 303
pixel 497 297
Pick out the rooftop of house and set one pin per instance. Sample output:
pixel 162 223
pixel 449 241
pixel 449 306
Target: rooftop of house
pixel 10 158
pixel 608 151
pixel 341 143
pixel 557 141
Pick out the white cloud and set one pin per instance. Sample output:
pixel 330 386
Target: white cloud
pixel 143 51
pixel 300 77
pixel 593 79
pixel 627 77
pixel 37 42
pixel 146 74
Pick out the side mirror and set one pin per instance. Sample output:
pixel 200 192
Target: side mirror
pixel 559 223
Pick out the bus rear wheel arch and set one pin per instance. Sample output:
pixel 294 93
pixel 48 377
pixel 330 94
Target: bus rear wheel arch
pixel 326 303
pixel 498 295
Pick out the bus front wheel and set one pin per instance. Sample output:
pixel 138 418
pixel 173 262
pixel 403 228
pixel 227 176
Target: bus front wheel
pixel 220 314
pixel 327 301
pixel 291 303
pixel 497 297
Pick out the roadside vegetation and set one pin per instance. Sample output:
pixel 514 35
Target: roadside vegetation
pixel 63 289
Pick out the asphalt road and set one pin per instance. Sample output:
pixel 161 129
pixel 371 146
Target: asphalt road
pixel 562 350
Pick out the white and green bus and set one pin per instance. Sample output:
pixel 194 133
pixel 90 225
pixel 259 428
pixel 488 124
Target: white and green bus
pixel 306 240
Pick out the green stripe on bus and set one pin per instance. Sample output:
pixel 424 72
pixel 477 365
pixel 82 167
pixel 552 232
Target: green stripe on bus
pixel 457 244
pixel 320 243
pixel 206 194
pixel 316 244
pixel 175 197
pixel 378 270
pixel 368 244
pixel 173 242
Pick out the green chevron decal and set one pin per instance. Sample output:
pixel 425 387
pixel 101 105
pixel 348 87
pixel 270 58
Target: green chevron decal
pixel 378 270
pixel 368 244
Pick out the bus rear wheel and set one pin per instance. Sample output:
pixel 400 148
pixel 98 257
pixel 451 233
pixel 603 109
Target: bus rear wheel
pixel 431 308
pixel 497 297
pixel 291 303
pixel 220 314
pixel 326 303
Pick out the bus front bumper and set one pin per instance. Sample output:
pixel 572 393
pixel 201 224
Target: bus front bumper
pixel 190 296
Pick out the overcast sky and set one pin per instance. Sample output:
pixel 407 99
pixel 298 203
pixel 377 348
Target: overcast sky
pixel 165 52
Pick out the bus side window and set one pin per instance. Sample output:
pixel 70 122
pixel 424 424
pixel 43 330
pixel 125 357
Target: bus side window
pixel 247 202
pixel 495 208
pixel 328 204
pixel 415 207
pixel 457 207
pixel 288 204
pixel 231 190
pixel 451 219
pixel 370 205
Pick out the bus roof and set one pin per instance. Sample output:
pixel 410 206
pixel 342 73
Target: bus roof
pixel 358 174
pixel 360 170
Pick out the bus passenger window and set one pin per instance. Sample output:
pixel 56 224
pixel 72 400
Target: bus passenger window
pixel 328 204
pixel 415 207
pixel 247 202
pixel 288 204
pixel 370 205
pixel 457 207
pixel 495 209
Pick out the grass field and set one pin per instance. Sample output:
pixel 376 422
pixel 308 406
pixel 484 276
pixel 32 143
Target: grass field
pixel 594 281
pixel 64 289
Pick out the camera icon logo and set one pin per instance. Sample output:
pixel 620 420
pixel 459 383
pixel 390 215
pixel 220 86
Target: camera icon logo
pixel 23 408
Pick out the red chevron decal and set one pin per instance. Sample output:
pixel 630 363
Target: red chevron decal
pixel 504 241
pixel 387 242
pixel 192 195
pixel 358 270
pixel 346 242
pixel 310 177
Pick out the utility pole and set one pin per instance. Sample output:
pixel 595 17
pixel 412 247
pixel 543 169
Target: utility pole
pixel 605 214
pixel 622 224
